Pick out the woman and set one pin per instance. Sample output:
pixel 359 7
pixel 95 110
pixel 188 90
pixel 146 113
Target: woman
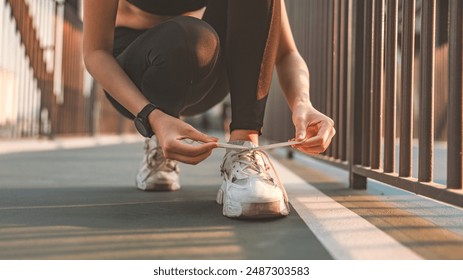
pixel 160 59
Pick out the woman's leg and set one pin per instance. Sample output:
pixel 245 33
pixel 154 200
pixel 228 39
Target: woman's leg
pixel 249 33
pixel 173 64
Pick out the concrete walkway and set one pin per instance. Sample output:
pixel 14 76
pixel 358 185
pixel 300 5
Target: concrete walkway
pixel 79 202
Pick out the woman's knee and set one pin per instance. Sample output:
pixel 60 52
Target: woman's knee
pixel 202 43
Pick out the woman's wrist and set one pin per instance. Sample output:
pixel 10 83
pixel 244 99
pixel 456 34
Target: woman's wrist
pixel 156 119
pixel 302 101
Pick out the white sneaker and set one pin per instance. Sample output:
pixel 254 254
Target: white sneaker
pixel 251 187
pixel 157 173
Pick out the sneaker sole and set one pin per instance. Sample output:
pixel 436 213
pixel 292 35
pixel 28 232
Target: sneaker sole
pixel 257 210
pixel 161 187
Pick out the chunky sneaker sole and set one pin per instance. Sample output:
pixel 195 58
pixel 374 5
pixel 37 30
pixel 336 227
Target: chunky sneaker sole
pixel 251 210
pixel 159 186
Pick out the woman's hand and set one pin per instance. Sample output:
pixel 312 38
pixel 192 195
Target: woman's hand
pixel 170 131
pixel 312 126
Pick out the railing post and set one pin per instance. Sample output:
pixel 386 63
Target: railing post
pixel 329 64
pixel 367 89
pixel 406 122
pixel 455 114
pixel 355 96
pixel 342 84
pixel 378 82
pixel 390 93
pixel 426 140
pixel 335 61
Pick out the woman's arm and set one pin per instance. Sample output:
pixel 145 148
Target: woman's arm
pixel 293 75
pixel 99 22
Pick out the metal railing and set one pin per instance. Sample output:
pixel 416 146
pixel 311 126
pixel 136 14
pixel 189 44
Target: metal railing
pixel 372 66
pixel 44 88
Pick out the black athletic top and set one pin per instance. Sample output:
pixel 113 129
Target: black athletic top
pixel 168 7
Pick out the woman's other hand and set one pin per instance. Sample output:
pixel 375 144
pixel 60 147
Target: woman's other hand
pixel 314 127
pixel 171 131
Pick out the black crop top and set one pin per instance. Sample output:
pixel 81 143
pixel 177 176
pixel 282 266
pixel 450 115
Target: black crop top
pixel 168 7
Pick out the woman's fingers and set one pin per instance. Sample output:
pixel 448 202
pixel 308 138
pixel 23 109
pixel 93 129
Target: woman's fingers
pixel 197 135
pixel 320 142
pixel 171 131
pixel 325 131
pixel 190 159
pixel 181 148
pixel 189 153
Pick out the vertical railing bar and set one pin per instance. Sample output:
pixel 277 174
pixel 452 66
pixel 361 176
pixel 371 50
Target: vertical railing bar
pixel 343 81
pixel 335 69
pixel 339 92
pixel 355 56
pixel 390 93
pixel 34 11
pixel 50 42
pixel 321 31
pixel 25 87
pixel 406 120
pixel 19 55
pixel 455 112
pixel 312 48
pixel 378 81
pixel 322 55
pixel 339 67
pixel 367 87
pixel 316 49
pixel 426 129
pixel 41 64
pixel 329 65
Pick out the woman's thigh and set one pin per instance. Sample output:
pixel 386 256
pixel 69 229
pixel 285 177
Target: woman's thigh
pixel 175 64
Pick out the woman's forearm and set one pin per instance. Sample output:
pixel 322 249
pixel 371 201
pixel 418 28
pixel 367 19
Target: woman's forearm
pixel 293 75
pixel 105 69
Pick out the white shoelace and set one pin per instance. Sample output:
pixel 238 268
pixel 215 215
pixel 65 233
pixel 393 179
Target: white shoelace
pixel 243 148
pixel 249 160
pixel 260 148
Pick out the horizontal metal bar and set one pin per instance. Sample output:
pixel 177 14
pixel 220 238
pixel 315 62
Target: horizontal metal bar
pixel 431 190
pixel 327 159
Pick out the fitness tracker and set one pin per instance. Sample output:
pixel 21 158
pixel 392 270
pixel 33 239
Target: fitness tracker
pixel 141 121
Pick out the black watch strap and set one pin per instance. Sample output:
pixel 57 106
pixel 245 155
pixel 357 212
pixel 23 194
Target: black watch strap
pixel 142 123
pixel 146 111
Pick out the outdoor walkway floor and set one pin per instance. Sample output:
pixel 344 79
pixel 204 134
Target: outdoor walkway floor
pixel 81 203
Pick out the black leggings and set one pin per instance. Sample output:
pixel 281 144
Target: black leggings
pixel 186 65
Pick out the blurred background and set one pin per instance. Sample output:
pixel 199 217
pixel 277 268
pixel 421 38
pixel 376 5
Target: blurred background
pixel 46 91
pixel 44 88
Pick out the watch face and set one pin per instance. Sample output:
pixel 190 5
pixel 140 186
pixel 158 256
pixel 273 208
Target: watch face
pixel 140 126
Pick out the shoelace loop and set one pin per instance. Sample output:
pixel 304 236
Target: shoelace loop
pixel 249 160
